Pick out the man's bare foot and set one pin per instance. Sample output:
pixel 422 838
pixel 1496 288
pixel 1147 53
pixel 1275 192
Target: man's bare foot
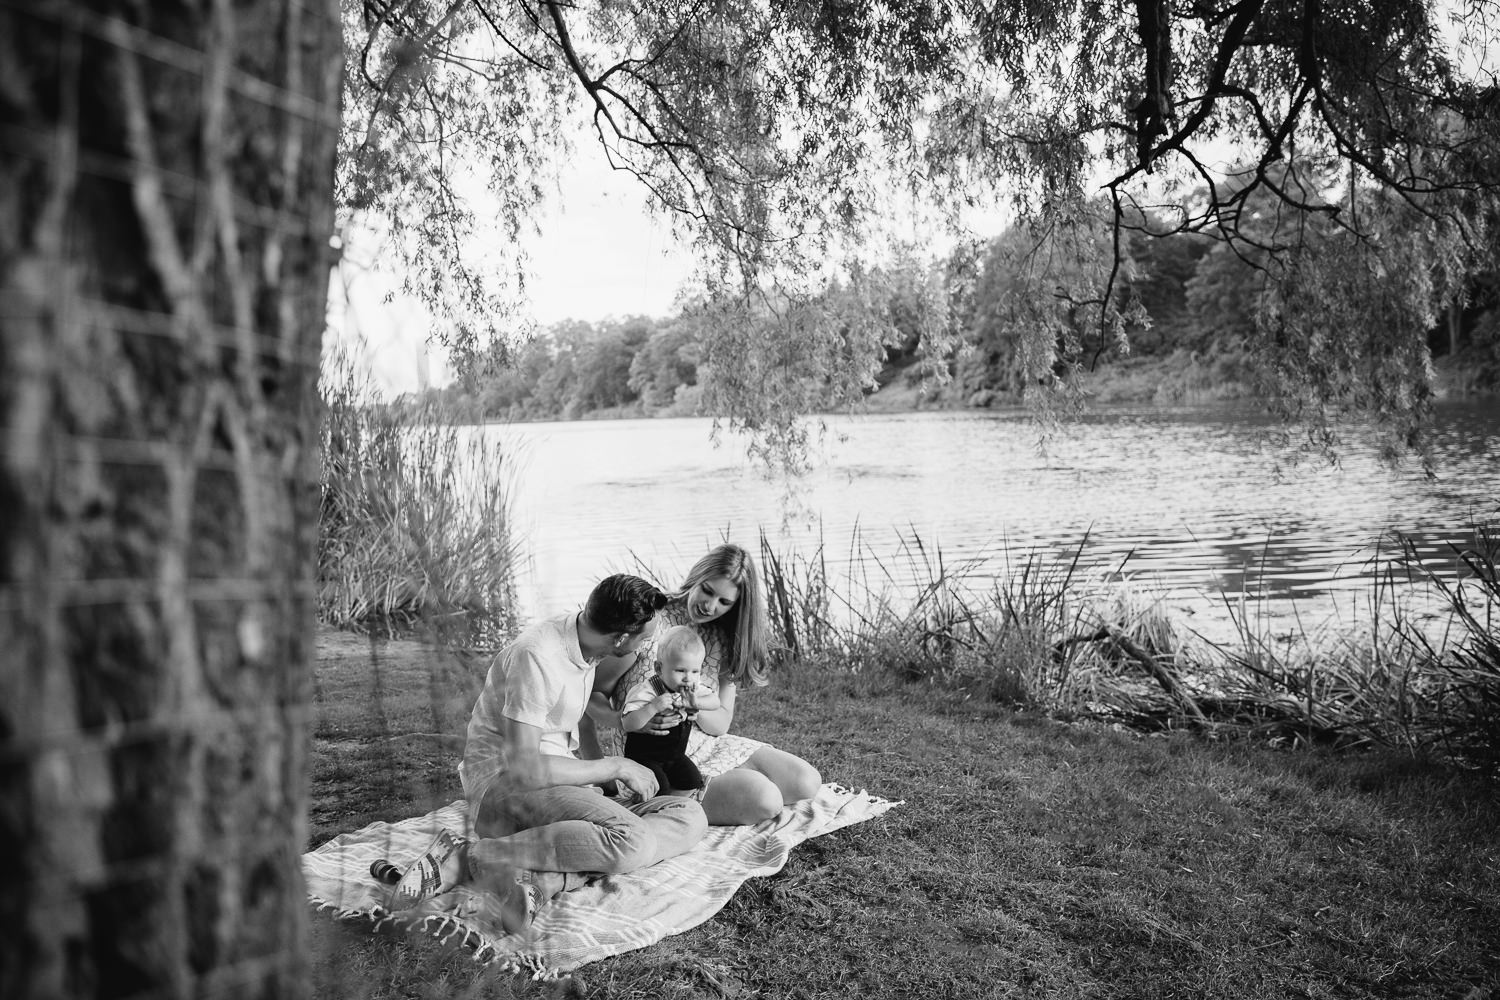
pixel 510 896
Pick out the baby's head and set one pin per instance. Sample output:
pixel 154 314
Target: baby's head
pixel 679 658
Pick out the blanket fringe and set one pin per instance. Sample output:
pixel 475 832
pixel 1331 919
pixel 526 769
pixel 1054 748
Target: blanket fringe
pixel 864 796
pixel 444 928
pixel 339 912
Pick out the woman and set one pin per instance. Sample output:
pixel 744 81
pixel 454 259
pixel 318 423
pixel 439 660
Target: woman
pixel 748 781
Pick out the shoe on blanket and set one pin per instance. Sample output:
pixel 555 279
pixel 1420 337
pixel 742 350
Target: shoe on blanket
pixel 439 868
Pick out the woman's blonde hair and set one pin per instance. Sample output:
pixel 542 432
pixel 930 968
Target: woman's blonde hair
pixel 745 635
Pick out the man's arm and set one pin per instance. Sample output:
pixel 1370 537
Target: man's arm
pixel 527 767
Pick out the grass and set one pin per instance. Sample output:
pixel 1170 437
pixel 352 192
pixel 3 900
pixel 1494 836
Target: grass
pixel 1032 858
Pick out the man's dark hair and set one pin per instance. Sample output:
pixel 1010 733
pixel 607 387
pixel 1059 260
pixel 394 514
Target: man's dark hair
pixel 623 603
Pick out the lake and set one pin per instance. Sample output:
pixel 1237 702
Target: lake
pixel 1189 503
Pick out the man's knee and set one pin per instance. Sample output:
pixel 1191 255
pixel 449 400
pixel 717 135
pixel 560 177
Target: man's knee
pixel 677 823
pixel 630 844
pixel 690 815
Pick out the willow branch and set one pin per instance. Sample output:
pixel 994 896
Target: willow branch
pixel 526 57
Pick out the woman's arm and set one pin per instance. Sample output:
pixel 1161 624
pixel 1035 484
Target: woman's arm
pixel 600 712
pixel 716 721
pixel 588 739
pixel 703 698
pixel 609 671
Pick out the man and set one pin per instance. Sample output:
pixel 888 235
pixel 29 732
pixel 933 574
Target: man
pixel 544 825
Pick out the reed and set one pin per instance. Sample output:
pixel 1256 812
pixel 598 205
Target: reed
pixel 1328 687
pixel 1048 637
pixel 927 618
pixel 855 618
pixel 797 603
pixel 415 527
pixel 1459 692
pixel 1039 608
pixel 1392 679
pixel 1129 660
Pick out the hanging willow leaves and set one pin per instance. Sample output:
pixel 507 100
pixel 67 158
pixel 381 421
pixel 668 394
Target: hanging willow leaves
pixel 779 136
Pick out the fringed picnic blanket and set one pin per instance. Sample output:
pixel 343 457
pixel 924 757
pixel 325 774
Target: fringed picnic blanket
pixel 608 916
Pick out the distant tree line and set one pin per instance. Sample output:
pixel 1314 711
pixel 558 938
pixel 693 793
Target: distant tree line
pixel 1216 318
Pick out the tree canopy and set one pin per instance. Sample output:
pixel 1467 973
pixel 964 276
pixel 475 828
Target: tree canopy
pixel 1327 144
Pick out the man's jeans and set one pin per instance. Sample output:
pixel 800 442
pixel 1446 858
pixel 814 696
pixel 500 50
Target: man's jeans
pixel 569 834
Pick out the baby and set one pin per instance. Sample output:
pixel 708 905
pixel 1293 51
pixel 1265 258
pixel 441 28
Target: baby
pixel 675 686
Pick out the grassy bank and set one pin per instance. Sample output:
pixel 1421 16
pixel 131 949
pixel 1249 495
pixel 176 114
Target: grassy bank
pixel 1031 857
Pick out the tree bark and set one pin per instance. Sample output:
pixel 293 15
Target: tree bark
pixel 166 179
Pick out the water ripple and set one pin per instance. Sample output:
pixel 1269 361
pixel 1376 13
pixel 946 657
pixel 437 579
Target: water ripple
pixel 1192 501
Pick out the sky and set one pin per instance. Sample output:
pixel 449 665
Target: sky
pixel 600 254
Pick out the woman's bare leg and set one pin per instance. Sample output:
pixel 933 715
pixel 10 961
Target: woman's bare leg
pixel 795 777
pixel 757 789
pixel 741 798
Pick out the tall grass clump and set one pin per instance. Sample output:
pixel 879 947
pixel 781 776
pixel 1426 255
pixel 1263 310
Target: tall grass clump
pixel 913 612
pixel 1036 612
pixel 1426 682
pixel 797 603
pixel 1346 684
pixel 415 528
pixel 1046 636
pixel 1025 638
pixel 1127 659
pixel 1460 693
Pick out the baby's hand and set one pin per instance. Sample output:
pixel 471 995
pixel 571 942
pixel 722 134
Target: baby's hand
pixel 663 703
pixel 688 699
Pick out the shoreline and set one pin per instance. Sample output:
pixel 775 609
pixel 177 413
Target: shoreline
pixel 1179 379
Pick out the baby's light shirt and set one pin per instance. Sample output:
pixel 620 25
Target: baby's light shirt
pixel 642 694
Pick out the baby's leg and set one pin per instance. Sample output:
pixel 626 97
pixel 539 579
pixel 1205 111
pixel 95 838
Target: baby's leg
pixel 683 774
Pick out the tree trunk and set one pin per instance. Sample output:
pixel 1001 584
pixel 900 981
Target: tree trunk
pixel 166 175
